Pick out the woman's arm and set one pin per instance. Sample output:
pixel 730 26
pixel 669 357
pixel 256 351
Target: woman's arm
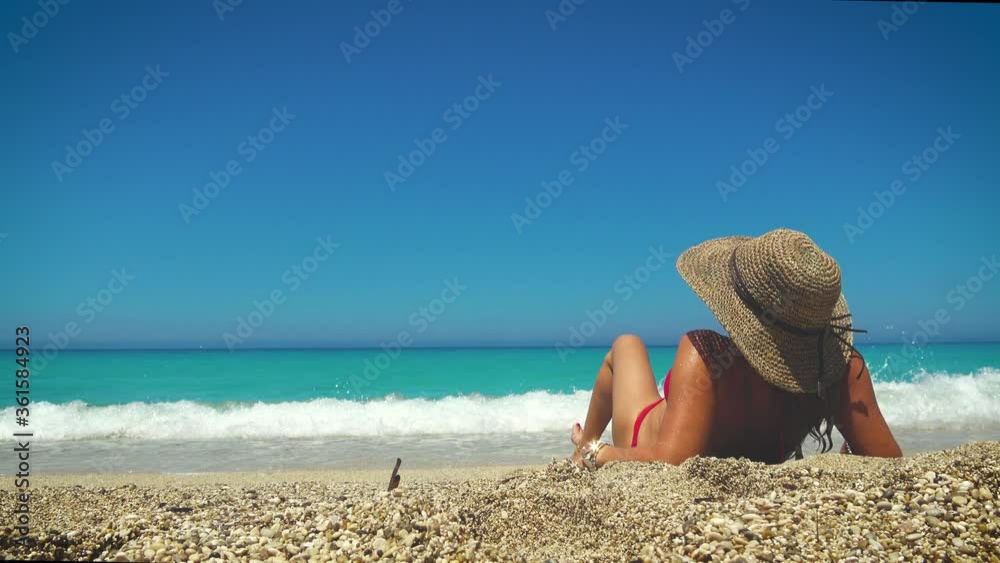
pixel 859 419
pixel 687 418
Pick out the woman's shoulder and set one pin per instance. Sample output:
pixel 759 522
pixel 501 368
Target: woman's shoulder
pixel 716 350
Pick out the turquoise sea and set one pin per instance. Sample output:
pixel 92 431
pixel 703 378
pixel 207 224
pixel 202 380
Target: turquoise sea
pixel 197 411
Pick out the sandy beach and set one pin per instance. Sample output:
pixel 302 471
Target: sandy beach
pixel 935 506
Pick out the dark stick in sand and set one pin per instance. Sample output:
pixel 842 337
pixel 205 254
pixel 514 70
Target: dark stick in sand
pixel 394 478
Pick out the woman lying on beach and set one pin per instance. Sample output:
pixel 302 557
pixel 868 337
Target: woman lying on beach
pixel 786 370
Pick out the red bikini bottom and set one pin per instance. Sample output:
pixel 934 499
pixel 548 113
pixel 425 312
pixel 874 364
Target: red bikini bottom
pixel 645 411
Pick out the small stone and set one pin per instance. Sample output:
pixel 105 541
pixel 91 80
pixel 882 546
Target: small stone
pixel 930 476
pixel 914 536
pixel 883 505
pixel 985 493
pixel 959 500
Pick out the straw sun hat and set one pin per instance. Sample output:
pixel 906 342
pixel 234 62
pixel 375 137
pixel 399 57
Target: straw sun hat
pixel 778 296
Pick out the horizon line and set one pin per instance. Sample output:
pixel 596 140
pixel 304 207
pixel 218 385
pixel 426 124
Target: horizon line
pixel 429 348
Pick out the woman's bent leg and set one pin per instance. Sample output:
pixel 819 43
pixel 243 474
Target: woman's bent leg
pixel 599 412
pixel 625 385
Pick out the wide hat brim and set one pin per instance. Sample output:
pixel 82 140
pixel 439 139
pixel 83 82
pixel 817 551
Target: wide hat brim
pixel 784 359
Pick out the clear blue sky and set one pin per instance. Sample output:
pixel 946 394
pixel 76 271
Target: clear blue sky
pixel 324 173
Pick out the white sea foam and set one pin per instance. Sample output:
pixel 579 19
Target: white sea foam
pixel 932 401
pixel 943 401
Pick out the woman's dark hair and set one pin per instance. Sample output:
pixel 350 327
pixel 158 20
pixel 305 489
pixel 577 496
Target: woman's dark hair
pixel 806 408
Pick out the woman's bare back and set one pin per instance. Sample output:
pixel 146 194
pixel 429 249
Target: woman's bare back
pixel 754 419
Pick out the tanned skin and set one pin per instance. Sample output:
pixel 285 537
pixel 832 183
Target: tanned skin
pixel 736 414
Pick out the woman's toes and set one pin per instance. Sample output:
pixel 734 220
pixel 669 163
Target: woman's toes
pixel 575 434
